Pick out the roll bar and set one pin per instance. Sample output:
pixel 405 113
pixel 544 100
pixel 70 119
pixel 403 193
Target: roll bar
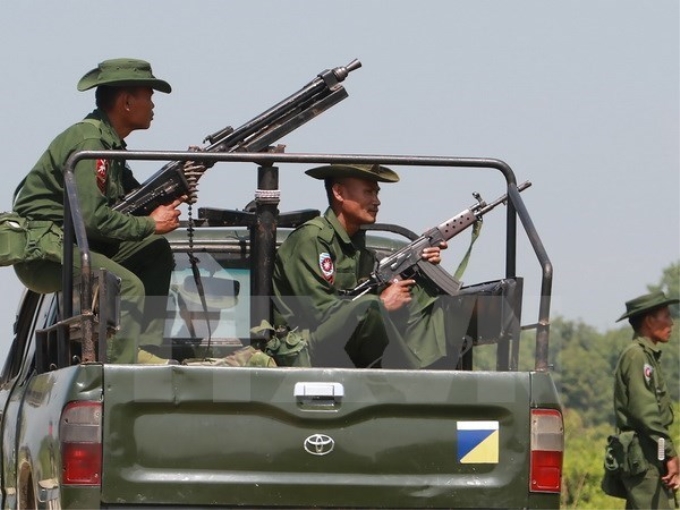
pixel 74 226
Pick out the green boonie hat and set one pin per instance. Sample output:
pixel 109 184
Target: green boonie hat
pixel 371 172
pixel 121 72
pixel 646 303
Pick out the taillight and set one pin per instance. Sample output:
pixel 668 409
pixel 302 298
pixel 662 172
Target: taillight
pixel 81 443
pixel 547 447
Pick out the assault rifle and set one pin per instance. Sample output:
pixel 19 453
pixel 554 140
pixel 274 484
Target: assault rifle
pixel 256 135
pixel 407 261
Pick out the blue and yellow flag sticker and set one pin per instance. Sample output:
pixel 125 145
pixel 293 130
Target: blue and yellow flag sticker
pixel 478 442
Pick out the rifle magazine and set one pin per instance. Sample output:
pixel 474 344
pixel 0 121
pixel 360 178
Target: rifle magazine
pixel 437 275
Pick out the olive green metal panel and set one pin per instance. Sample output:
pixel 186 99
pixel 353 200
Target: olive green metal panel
pixel 38 441
pixel 315 437
pixel 543 391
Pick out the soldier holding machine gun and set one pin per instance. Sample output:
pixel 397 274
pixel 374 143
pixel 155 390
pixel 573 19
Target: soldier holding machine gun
pixel 125 219
pixel 131 247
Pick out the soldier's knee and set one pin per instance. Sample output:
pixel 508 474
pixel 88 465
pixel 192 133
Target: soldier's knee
pixel 131 285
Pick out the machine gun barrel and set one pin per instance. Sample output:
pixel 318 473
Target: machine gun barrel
pixel 256 135
pixel 279 119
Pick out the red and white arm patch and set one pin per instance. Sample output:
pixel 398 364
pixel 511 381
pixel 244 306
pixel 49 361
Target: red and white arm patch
pixel 101 167
pixel 327 267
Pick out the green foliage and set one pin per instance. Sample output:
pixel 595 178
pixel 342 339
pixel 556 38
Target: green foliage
pixel 583 457
pixel 670 284
pixel 584 369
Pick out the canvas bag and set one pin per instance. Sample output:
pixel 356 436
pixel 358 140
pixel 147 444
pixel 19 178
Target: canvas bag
pixel 23 240
pixel 614 457
pixel 287 347
pixel 623 457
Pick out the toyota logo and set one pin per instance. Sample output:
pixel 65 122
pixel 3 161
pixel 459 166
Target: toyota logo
pixel 319 444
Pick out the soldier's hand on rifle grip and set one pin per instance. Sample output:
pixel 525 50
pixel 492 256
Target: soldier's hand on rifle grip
pixel 397 294
pixel 167 216
pixel 433 254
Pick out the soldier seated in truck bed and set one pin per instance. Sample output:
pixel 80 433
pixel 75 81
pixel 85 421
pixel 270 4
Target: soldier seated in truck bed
pixel 400 326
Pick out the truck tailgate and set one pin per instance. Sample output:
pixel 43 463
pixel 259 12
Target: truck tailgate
pixel 290 437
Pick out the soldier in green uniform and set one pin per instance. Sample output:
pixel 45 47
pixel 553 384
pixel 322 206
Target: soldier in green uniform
pixel 129 246
pixel 401 325
pixel 642 404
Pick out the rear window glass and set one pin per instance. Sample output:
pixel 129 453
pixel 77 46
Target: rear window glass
pixel 226 287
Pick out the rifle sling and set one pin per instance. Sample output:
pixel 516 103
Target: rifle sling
pixel 476 228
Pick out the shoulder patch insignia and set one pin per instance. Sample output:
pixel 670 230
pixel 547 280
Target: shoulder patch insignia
pixel 326 266
pixel 102 171
pixel 648 371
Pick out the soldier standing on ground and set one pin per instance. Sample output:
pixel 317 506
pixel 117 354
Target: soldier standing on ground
pixel 642 403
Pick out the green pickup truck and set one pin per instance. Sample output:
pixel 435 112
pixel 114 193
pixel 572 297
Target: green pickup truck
pixel 78 432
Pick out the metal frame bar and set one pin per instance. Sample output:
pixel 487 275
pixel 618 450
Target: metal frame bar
pixel 515 209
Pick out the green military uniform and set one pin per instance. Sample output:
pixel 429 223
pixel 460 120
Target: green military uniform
pixel 319 260
pixel 123 244
pixel 642 404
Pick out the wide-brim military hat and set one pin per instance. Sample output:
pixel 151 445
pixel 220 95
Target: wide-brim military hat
pixel 371 172
pixel 646 303
pixel 123 72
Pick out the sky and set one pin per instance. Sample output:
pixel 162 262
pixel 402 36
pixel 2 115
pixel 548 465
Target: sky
pixel 581 98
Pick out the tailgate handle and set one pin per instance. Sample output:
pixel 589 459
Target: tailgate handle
pixel 319 395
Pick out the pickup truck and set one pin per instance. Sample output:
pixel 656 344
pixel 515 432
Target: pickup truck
pixel 78 432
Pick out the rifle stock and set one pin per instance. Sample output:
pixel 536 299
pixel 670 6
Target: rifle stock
pixel 256 135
